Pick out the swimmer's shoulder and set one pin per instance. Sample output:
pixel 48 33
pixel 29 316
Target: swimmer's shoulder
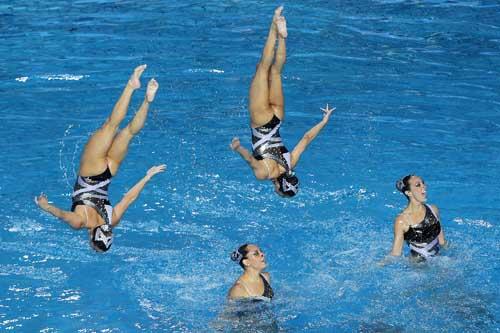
pixel 435 210
pixel 237 291
pixel 260 171
pixel 402 222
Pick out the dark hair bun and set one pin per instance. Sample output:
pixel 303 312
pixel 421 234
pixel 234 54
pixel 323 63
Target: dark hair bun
pixel 236 256
pixel 400 185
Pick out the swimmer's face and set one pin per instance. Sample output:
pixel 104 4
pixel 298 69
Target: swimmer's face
pixel 418 189
pixel 255 258
pixel 277 188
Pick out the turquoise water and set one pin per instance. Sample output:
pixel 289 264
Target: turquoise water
pixel 417 90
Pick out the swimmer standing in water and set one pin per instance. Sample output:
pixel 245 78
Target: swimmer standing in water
pixel 271 159
pixel 253 283
pixel 101 158
pixel 418 224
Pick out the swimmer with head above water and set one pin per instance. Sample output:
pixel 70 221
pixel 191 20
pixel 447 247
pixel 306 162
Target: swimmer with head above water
pixel 101 158
pixel 253 283
pixel 418 224
pixel 270 158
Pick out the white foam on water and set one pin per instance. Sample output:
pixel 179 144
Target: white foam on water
pixel 477 223
pixel 62 77
pixel 205 70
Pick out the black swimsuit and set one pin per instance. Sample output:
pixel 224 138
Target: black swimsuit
pixel 268 291
pixel 423 237
pixel 267 143
pixel 93 192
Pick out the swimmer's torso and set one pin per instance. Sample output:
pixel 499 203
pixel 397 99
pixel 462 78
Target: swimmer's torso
pixel 423 237
pixel 425 231
pixel 259 292
pixel 91 201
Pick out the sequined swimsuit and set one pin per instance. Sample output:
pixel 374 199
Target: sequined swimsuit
pixel 92 191
pixel 267 143
pixel 423 237
pixel 268 290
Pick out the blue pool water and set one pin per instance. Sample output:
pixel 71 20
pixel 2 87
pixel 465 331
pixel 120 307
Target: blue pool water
pixel 417 90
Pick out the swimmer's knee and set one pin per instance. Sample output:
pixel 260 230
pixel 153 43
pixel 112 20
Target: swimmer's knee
pixel 128 131
pixel 110 125
pixel 275 70
pixel 263 66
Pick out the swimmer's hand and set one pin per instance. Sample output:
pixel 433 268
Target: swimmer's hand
pixel 154 170
pixel 42 201
pixel 235 143
pixel 387 260
pixel 446 245
pixel 327 112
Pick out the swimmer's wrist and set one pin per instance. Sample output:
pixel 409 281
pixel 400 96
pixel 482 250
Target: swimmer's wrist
pixel 44 207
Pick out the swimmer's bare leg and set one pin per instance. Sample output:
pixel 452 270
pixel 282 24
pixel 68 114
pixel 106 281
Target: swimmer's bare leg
pixel 276 98
pixel 93 160
pixel 119 147
pixel 260 110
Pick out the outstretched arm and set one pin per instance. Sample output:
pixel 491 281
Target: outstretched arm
pixel 71 218
pixel 245 154
pixel 310 135
pixel 129 197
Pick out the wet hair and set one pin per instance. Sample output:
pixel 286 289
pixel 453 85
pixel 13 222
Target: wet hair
pixel 288 185
pixel 239 254
pixel 403 185
pixel 99 245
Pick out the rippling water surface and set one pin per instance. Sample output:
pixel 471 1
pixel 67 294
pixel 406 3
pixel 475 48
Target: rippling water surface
pixel 416 85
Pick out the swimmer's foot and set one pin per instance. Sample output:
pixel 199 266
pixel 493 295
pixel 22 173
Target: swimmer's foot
pixel 281 26
pixel 277 13
pixel 280 22
pixel 151 90
pixel 134 81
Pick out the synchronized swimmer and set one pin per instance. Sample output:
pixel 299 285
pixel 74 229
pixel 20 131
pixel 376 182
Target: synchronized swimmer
pixel 418 224
pixel 271 159
pixel 101 158
pixel 254 283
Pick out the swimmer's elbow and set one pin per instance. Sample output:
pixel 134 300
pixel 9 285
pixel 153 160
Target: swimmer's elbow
pixel 308 137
